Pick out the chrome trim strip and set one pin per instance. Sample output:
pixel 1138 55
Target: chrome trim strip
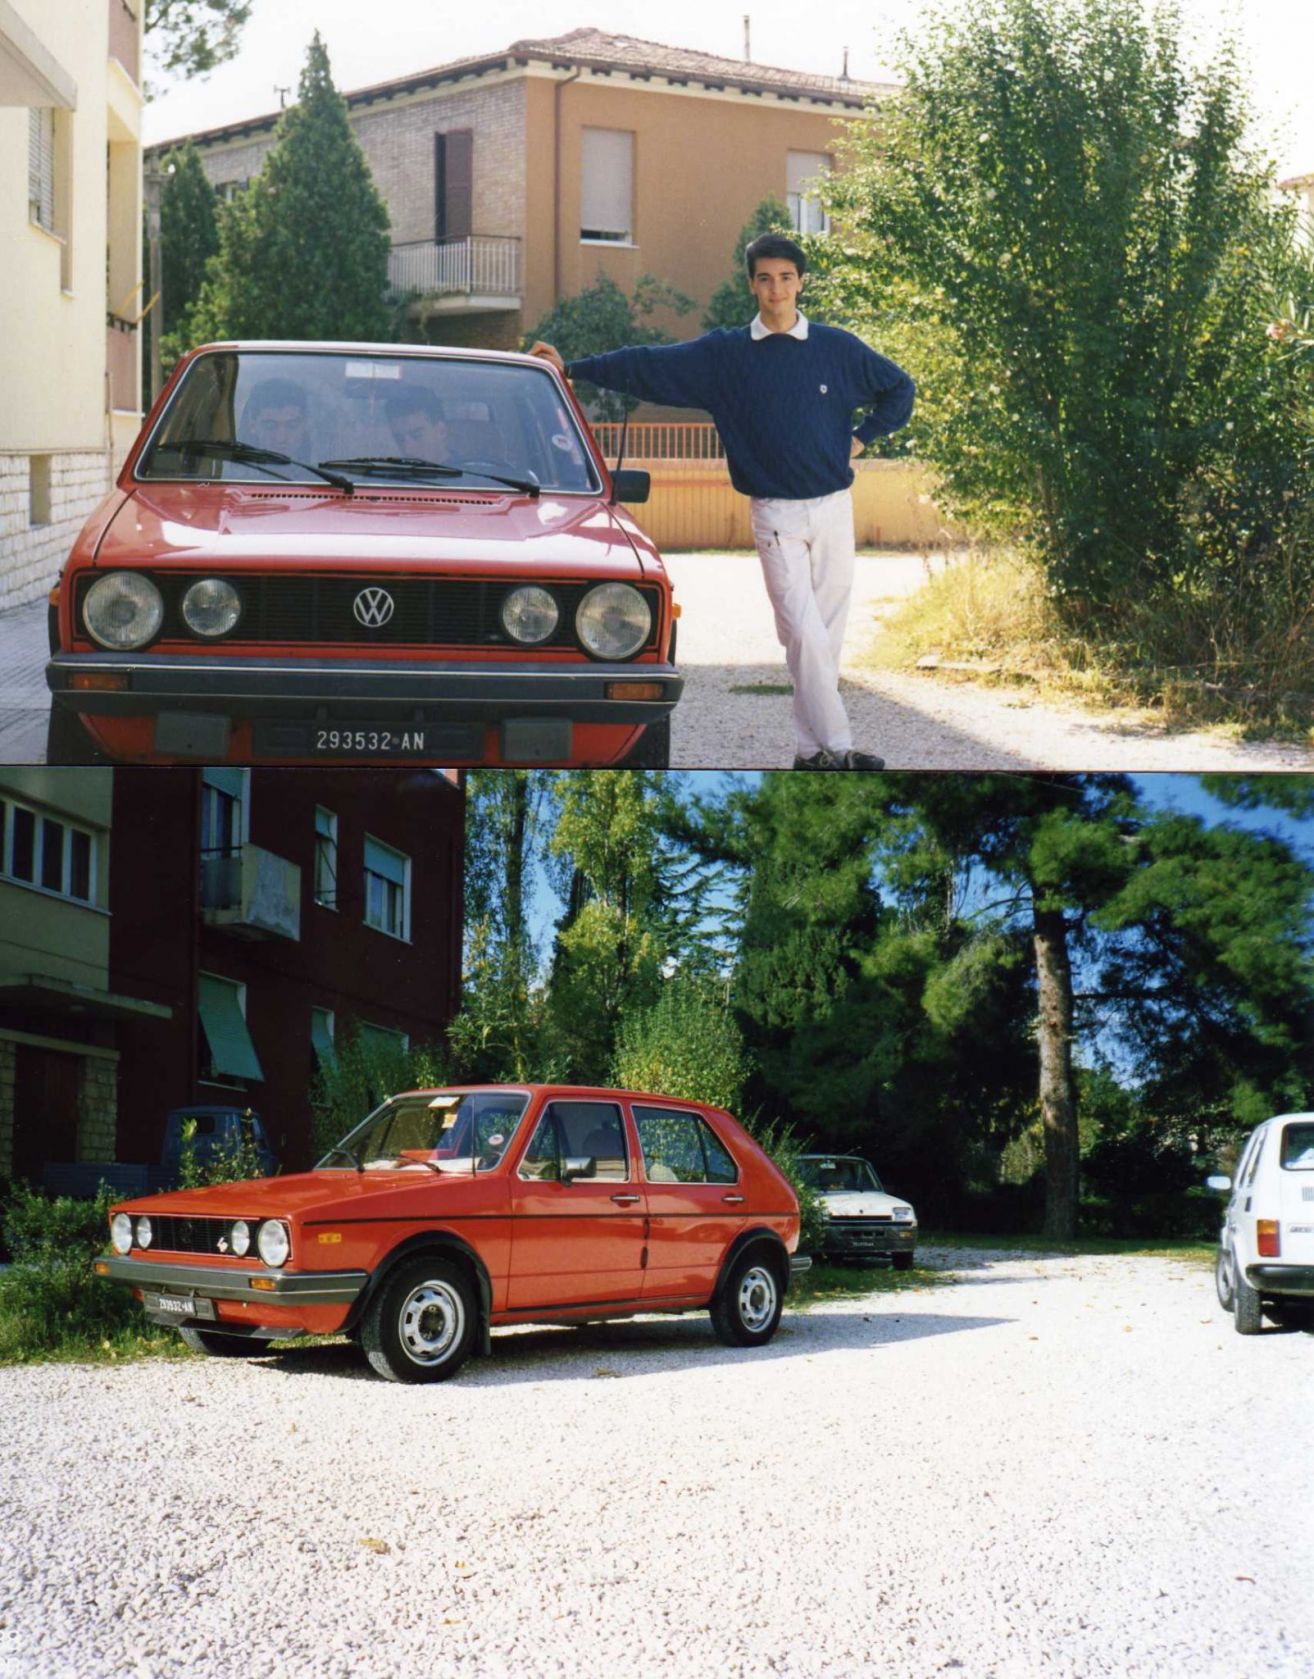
pixel 318 1288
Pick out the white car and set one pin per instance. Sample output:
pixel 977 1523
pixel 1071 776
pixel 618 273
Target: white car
pixel 1265 1262
pixel 863 1220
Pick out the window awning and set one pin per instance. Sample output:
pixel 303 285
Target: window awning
pixel 231 1049
pixel 383 860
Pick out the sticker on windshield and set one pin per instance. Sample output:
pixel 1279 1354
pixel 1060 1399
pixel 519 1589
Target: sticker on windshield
pixel 561 441
pixel 373 370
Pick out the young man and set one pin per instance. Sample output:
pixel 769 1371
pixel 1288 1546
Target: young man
pixel 783 392
pixel 418 425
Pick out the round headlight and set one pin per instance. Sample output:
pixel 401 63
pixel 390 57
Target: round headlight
pixel 240 1237
pixel 529 614
pixel 123 610
pixel 613 621
pixel 143 1233
pixel 211 607
pixel 272 1242
pixel 121 1232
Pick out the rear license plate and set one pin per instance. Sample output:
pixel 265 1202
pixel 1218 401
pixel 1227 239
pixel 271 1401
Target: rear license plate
pixel 368 740
pixel 179 1306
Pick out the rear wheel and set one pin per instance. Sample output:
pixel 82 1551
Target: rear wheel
pixel 1246 1310
pixel 1223 1278
pixel 421 1324
pixel 218 1345
pixel 747 1306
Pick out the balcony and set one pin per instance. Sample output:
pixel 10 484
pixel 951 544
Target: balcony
pixel 251 893
pixel 458 276
pixel 125 36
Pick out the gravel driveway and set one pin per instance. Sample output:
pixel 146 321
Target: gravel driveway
pixel 735 713
pixel 1054 1466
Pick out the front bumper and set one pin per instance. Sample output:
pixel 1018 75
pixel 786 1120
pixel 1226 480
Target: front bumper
pixel 379 690
pixel 215 1282
pixel 1282 1279
pixel 854 1236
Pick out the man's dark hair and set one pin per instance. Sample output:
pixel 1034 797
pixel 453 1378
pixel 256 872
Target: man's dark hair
pixel 274 393
pixel 775 245
pixel 417 401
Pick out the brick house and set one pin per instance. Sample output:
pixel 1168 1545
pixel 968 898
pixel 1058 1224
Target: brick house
pixel 514 178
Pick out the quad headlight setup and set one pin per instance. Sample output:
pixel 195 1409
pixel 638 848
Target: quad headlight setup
pixel 272 1242
pixel 123 610
pixel 211 607
pixel 530 614
pixel 121 1232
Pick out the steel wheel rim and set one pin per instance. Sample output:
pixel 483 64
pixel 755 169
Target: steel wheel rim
pixel 757 1298
pixel 431 1322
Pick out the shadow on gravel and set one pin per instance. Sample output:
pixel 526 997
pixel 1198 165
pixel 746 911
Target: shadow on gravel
pixel 572 1354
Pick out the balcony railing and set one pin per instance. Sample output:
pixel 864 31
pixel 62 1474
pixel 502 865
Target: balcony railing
pixel 251 893
pixel 125 36
pixel 481 266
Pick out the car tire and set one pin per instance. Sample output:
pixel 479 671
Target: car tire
pixel 903 1261
pixel 652 750
pixel 67 741
pixel 421 1324
pixel 746 1308
pixel 218 1345
pixel 1247 1313
pixel 1223 1278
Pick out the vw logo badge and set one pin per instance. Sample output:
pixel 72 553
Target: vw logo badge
pixel 373 608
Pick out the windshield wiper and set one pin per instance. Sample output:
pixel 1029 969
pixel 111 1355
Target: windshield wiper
pixel 229 450
pixel 411 466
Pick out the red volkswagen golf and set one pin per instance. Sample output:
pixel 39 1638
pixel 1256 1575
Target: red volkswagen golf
pixel 449 1212
pixel 364 553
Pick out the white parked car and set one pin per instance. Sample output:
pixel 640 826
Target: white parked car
pixel 1265 1262
pixel 863 1220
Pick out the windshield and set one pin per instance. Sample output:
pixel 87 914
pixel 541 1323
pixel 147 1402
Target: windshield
pixel 447 1131
pixel 377 418
pixel 828 1172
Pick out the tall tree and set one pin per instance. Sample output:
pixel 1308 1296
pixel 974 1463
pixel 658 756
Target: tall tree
pixel 304 250
pixel 193 36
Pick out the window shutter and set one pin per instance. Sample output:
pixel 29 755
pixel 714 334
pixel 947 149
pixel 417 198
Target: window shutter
pixel 454 184
pixel 606 183
pixel 41 167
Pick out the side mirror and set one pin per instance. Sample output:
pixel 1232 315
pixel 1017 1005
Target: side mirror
pixel 630 483
pixel 1219 1184
pixel 578 1166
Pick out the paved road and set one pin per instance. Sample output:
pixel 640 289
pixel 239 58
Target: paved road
pixel 1049 1469
pixel 736 711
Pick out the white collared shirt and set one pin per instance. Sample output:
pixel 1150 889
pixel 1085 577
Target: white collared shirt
pixel 759 329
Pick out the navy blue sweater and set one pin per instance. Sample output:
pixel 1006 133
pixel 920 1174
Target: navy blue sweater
pixel 784 406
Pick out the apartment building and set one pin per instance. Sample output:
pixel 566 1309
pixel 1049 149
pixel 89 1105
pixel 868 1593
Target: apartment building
pixel 70 279
pixel 516 178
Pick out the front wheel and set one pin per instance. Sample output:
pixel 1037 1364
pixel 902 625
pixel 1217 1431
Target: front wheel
pixel 218 1345
pixel 420 1325
pixel 747 1306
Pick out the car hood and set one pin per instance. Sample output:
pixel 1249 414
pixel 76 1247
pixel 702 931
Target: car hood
pixel 298 1194
pixel 210 527
pixel 860 1203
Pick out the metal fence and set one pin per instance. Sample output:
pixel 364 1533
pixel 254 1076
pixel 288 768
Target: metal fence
pixel 483 265
pixel 679 440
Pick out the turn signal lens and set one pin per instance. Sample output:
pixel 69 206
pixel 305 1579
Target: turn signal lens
pixel 104 681
pixel 1268 1238
pixel 264 1283
pixel 636 690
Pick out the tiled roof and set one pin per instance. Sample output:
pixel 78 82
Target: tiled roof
pixel 597 50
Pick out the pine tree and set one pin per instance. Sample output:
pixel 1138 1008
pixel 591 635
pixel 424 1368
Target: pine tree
pixel 304 250
pixel 189 233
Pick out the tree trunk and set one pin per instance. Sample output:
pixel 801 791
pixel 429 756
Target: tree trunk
pixel 1058 1110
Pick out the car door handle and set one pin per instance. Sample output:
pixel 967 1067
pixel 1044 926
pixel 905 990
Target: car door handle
pixel 624 1200
pixel 732 1199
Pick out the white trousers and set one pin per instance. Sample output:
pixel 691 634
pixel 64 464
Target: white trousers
pixel 806 550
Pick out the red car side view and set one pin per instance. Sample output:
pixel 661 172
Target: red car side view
pixel 448 1213
pixel 364 553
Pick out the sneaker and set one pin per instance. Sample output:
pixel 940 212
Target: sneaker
pixel 822 760
pixel 850 760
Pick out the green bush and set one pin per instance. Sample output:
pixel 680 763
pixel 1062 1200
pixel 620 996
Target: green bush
pixel 227 1163
pixel 50 1299
pixel 779 1141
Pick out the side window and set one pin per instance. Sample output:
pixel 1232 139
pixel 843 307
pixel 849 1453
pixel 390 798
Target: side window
pixel 578 1131
pixel 1257 1151
pixel 1298 1148
pixel 681 1148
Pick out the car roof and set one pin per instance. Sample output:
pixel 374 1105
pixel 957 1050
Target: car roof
pixel 315 346
pixel 581 1091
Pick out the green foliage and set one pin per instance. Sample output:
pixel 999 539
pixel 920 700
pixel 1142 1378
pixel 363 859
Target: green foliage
pixel 303 252
pixel 684 1044
pixel 50 1299
pixel 1058 230
pixel 364 1069
pixel 777 1138
pixel 192 37
pixel 732 303
pixel 227 1162
pixel 601 318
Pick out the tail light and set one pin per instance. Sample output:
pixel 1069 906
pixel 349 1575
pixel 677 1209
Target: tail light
pixel 1268 1238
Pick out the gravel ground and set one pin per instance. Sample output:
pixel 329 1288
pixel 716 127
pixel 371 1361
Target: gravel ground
pixel 1053 1467
pixel 729 655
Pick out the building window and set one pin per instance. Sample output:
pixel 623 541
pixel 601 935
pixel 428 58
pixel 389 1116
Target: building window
pixel 224 821
pixel 326 858
pixel 453 184
pixel 387 889
pixel 41 167
pixel 606 210
pixel 805 172
pixel 47 853
pixel 225 1053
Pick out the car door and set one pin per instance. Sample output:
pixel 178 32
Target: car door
pixel 576 1242
pixel 696 1201
pixel 1295 1192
